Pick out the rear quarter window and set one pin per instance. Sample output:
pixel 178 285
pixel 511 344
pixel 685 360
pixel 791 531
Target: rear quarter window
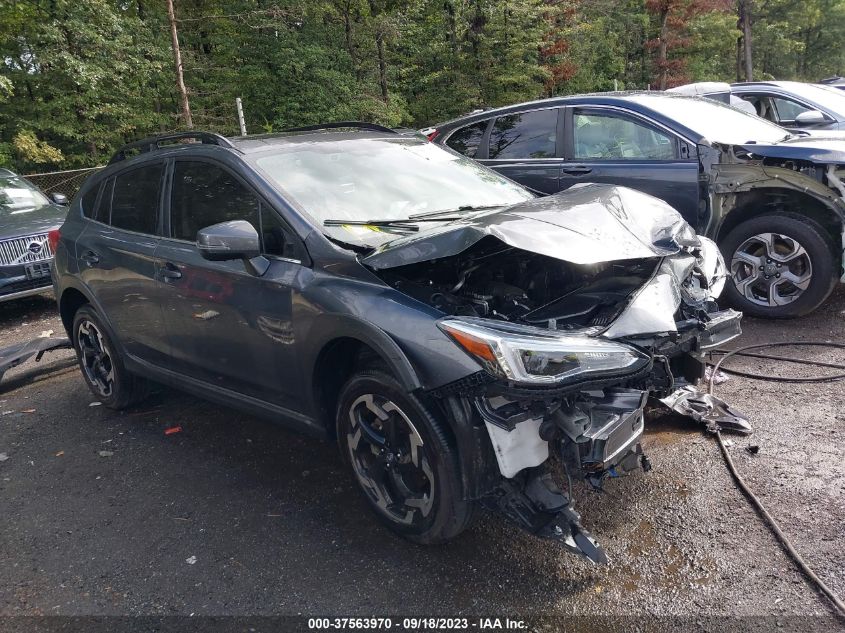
pixel 89 202
pixel 467 139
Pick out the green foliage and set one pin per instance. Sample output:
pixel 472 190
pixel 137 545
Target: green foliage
pixel 80 77
pixel 30 150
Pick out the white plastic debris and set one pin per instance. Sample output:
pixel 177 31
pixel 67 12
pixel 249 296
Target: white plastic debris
pixel 3 457
pixel 720 377
pixel 106 453
pixel 95 404
pixel 46 334
pixel 191 560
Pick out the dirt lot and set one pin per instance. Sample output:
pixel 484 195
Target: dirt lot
pixel 102 512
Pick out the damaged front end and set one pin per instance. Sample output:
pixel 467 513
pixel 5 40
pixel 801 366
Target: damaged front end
pixel 580 310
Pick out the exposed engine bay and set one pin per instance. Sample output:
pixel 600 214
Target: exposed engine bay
pixel 493 280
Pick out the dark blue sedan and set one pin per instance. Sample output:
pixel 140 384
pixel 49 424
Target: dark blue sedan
pixel 773 200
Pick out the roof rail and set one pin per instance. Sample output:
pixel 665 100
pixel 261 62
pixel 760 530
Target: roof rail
pixel 153 143
pixel 342 124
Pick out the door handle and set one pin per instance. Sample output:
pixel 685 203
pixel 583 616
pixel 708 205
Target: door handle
pixel 577 169
pixel 90 257
pixel 170 271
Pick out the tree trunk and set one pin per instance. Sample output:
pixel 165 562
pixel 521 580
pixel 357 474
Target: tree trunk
pixel 744 9
pixel 661 49
pixel 350 42
pixel 177 63
pixel 382 64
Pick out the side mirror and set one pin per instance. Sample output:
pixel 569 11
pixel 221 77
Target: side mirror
pixel 237 239
pixel 810 117
pixel 59 198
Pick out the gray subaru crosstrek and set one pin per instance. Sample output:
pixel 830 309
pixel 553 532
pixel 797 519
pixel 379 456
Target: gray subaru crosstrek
pixel 462 340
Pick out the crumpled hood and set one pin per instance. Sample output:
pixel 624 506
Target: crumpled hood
pixel 818 149
pixel 38 220
pixel 586 224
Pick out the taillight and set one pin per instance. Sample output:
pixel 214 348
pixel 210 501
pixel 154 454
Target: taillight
pixel 433 134
pixel 53 238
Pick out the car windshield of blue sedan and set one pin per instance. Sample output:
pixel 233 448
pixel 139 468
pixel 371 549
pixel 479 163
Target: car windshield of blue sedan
pixel 384 179
pixel 18 196
pixel 714 121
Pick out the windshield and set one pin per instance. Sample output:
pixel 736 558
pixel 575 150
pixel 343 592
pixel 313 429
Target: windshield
pixel 714 121
pixel 823 96
pixel 383 179
pixel 18 196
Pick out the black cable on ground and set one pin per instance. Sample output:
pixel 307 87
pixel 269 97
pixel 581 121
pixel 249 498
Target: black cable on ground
pixel 787 544
pixel 743 351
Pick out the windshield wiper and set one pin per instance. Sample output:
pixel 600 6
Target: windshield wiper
pixel 406 224
pixel 466 207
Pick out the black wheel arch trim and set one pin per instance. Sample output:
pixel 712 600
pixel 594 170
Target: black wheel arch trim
pixel 328 328
pixel 71 283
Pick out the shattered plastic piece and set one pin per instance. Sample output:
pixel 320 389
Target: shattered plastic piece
pixel 106 453
pixel 14 355
pixel 172 430
pixel 720 377
pixel 3 457
pixel 191 560
pixel 28 411
pixel 568 531
pixel 714 413
pixel 60 453
pixel 95 404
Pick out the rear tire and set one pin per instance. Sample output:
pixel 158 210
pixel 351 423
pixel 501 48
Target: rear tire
pixel 101 367
pixel 404 463
pixel 781 266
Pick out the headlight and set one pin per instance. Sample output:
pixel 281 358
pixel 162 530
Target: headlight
pixel 521 355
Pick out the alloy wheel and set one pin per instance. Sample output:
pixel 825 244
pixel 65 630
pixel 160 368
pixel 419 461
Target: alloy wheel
pixel 771 269
pixel 95 358
pixel 387 456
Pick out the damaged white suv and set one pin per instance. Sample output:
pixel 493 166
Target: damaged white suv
pixel 459 337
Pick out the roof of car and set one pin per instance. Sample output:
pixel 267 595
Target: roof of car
pixel 183 141
pixel 262 142
pixel 773 84
pixel 599 98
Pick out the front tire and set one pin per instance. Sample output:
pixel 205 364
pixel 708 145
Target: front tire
pixel 404 463
pixel 102 368
pixel 782 266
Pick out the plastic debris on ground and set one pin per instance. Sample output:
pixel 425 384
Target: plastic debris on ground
pixel 106 453
pixel 172 430
pixel 191 560
pixel 720 377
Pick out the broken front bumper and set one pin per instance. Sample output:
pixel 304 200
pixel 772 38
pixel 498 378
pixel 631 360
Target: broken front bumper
pixel 593 431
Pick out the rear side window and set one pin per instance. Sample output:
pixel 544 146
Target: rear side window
pixel 525 135
pixel 89 201
pixel 468 139
pixel 135 199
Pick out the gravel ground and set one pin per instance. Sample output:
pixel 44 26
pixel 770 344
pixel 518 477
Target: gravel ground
pixel 105 514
